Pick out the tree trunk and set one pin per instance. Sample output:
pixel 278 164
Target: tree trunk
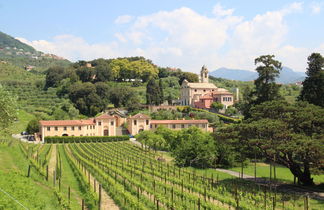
pixel 304 177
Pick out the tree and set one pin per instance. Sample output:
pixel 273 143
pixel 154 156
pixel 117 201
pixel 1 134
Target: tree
pixel 288 134
pixel 153 93
pixel 190 77
pixel 86 74
pixel 86 99
pixel 217 106
pixel 8 104
pixel 103 73
pixel 151 139
pixel 124 96
pixel 313 85
pixel 33 126
pixel 161 91
pixel 53 76
pixel 265 87
pixel 194 148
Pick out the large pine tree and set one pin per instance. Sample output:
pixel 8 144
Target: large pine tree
pixel 313 85
pixel 265 87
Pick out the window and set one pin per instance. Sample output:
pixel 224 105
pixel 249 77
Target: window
pixel 79 128
pixel 72 128
pixel 87 127
pixel 48 128
pixel 81 134
pixel 203 125
pixel 94 127
pixel 151 126
pixel 135 122
pixel 64 128
pixel 56 128
pixel 204 90
pixel 195 90
pixel 173 126
pixel 147 122
pixel 182 125
pixel 156 125
pixel 99 123
pixel 112 123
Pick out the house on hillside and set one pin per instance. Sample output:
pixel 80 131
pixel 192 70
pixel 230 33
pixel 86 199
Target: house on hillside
pixel 111 125
pixel 203 94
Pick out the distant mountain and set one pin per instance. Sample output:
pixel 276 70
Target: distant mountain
pixel 287 75
pixel 25 56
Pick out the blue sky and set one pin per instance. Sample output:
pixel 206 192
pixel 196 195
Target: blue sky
pixel 175 33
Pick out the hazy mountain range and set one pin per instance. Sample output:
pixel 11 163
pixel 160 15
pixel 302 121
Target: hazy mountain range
pixel 287 75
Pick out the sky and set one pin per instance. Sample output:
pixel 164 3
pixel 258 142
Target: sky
pixel 185 34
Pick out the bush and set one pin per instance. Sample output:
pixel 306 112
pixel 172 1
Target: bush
pixel 84 139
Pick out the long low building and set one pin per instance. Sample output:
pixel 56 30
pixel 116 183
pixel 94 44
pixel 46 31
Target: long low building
pixel 107 125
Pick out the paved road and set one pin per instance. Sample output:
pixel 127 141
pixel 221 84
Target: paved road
pixel 24 138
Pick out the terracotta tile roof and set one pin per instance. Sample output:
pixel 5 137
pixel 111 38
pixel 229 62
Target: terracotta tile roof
pixel 139 116
pixel 66 122
pixel 202 85
pixel 178 121
pixel 105 116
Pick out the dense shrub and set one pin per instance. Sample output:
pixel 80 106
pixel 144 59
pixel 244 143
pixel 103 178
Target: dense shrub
pixel 84 139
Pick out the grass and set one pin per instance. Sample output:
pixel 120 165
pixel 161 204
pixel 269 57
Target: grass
pixel 13 171
pixel 209 172
pixel 68 180
pixel 282 173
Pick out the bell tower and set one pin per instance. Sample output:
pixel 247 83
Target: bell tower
pixel 204 75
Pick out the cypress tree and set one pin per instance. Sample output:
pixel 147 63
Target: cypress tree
pixel 313 85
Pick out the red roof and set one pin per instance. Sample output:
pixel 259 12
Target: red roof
pixel 105 116
pixel 66 122
pixel 178 121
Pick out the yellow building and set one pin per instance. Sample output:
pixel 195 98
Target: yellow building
pixel 68 128
pixel 107 125
pixel 138 123
pixel 179 124
pixel 195 94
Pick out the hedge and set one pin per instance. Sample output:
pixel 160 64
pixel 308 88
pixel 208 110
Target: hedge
pixel 84 139
pixel 224 118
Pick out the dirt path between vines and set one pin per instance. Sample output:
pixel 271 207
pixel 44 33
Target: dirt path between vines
pixel 52 162
pixel 107 203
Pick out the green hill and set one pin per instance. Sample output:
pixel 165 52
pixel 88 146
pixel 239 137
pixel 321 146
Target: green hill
pixel 28 87
pixel 25 56
pixel 9 41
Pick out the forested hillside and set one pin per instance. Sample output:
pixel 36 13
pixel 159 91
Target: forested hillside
pixel 25 56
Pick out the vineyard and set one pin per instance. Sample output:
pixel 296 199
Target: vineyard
pixel 126 176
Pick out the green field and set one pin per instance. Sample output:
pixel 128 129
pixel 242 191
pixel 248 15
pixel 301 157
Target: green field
pixel 283 174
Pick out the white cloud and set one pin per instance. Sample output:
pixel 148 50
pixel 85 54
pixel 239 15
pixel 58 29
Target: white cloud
pixel 123 19
pixel 316 8
pixel 220 11
pixel 74 48
pixel 186 39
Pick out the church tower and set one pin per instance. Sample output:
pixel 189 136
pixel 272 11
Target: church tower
pixel 204 75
